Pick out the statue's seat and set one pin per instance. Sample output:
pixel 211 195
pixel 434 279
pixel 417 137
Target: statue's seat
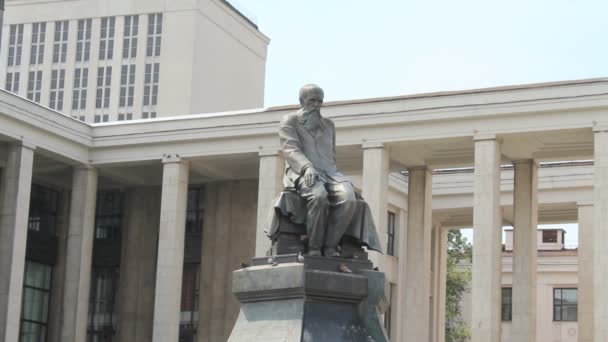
pixel 287 229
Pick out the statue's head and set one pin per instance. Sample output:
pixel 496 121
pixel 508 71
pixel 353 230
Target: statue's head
pixel 311 97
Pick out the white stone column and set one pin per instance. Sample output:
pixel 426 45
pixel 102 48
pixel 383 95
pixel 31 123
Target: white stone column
pixel 440 259
pixel 15 202
pixel 79 255
pixel 375 192
pixel 414 295
pixel 270 185
pixel 487 224
pixel 525 222
pixel 170 261
pixel 600 234
pixel 585 272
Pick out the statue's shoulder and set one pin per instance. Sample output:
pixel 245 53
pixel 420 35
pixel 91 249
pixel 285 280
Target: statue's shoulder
pixel 289 119
pixel 329 122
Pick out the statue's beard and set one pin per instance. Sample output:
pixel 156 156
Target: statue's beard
pixel 311 111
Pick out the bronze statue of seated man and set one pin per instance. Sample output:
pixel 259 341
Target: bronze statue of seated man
pixel 316 195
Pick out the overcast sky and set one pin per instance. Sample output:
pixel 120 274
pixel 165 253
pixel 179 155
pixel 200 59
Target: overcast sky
pixel 363 48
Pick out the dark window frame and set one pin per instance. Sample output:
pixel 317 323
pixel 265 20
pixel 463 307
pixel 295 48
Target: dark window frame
pixel 391 224
pixel 43 218
pixel 550 236
pixel 105 332
pixel 44 324
pixel 560 306
pixel 111 230
pixel 506 306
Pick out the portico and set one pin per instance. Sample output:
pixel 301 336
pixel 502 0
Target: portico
pixel 234 157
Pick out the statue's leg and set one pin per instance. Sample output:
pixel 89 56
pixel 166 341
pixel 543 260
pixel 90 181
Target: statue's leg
pixel 343 204
pixel 316 219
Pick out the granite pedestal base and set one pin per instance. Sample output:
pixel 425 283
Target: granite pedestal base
pixel 309 300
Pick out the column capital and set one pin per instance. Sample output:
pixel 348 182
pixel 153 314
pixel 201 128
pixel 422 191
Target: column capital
pixel 372 144
pixel 480 136
pixel 172 158
pixel 600 127
pixel 269 152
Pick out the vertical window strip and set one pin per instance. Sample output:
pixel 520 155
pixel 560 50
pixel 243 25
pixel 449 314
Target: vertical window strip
pixel 106 42
pixel 12 82
pixel 15 45
pixel 104 82
pixel 34 85
pixel 83 41
pixel 81 81
pixel 35 302
pixel 57 89
pixel 37 50
pixel 390 245
pixel 129 48
pixel 60 42
pixel 155 29
pixel 127 85
pixel 151 81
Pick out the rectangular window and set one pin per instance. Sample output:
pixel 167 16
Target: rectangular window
pixel 108 216
pixel 44 210
pixel 506 307
pixel 148 115
pixel 57 87
pixel 101 118
pixel 565 305
pixel 34 85
pixel 127 85
pixel 390 245
pixel 549 236
pixel 125 116
pixel 60 41
pixel 35 301
pixel 104 82
pixel 12 82
pixel 81 82
pixel 151 80
pixel 190 293
pixel 155 30
pixel 129 46
pixel 15 44
pixel 102 299
pixel 106 42
pixel 38 36
pixel 83 40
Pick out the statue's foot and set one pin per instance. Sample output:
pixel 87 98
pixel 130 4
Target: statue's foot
pixel 314 252
pixel 331 252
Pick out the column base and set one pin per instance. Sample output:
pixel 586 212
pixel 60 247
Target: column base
pixel 309 300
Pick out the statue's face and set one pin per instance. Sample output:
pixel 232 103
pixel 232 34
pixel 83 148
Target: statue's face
pixel 312 101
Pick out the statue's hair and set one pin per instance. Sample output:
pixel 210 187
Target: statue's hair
pixel 309 88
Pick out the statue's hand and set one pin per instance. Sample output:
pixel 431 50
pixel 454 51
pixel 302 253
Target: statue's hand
pixel 310 176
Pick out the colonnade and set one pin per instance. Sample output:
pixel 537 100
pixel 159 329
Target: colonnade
pixel 414 288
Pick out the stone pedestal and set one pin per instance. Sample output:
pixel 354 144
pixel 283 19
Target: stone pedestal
pixel 308 300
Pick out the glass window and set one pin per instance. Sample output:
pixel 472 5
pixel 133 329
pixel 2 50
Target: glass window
pixel 565 305
pixel 506 307
pixel 127 85
pixel 104 83
pixel 129 46
pixel 37 49
pixel 102 317
pixel 155 29
pixel 106 42
pixel 151 82
pixel 57 87
pixel 390 245
pixel 549 236
pixel 81 82
pixel 12 82
pixel 108 216
pixel 15 45
pixel 83 40
pixel 44 207
pixel 60 42
pixel 190 293
pixel 35 302
pixel 34 85
pixel 194 213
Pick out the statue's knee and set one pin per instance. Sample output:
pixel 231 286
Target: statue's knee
pixel 318 197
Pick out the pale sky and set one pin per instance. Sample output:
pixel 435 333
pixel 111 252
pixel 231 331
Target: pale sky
pixel 362 48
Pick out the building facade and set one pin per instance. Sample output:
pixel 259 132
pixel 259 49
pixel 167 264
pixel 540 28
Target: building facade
pixel 101 61
pixel 129 231
pixel 556 293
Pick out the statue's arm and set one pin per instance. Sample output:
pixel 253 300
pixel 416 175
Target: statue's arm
pixel 291 146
